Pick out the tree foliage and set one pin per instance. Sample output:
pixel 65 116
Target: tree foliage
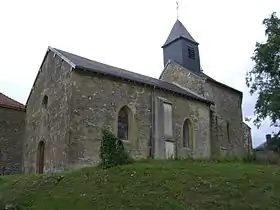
pixel 112 151
pixel 274 144
pixel 264 78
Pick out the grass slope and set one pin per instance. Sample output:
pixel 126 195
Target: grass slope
pixel 149 185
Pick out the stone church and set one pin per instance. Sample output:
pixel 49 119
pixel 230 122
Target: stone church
pixel 184 113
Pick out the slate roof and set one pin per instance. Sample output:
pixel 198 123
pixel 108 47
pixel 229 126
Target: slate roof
pixel 178 31
pixel 81 63
pixel 261 147
pixel 5 101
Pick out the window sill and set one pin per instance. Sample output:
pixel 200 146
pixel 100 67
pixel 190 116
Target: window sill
pixel 223 148
pixel 169 140
pixel 187 148
pixel 125 141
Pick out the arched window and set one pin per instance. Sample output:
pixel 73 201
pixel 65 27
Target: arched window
pixel 45 101
pixel 187 134
pixel 123 123
pixel 40 157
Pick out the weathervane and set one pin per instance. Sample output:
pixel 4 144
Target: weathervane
pixel 177 8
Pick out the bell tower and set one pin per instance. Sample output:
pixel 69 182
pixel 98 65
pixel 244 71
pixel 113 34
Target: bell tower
pixel 181 47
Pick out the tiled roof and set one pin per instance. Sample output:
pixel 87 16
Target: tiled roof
pixel 5 101
pixel 261 147
pixel 82 63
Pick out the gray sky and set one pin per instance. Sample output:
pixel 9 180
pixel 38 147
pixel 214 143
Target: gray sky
pixel 129 34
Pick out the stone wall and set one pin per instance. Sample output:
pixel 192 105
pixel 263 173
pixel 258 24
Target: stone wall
pixel 247 138
pixel 96 101
pixel 198 114
pixel 173 72
pixel 48 118
pixel 227 132
pixel 229 116
pixel 11 139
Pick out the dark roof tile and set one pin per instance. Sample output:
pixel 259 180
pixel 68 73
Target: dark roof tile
pixel 79 62
pixel 10 103
pixel 178 31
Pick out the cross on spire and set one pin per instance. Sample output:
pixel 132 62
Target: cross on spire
pixel 177 8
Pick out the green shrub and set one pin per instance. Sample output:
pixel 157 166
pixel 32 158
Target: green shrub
pixel 250 158
pixel 226 159
pixel 112 151
pixel 267 157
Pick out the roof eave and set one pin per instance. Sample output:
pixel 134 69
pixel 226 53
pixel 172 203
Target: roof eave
pixel 13 107
pixel 62 57
pixel 174 40
pixel 225 86
pixel 57 53
pixel 84 69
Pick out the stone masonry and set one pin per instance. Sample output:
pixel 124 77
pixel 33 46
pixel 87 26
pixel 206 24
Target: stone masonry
pixel 96 101
pixel 11 138
pixel 227 132
pixel 49 123
pixel 247 138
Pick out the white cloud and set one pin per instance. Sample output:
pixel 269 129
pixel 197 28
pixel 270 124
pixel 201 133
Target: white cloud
pixel 128 34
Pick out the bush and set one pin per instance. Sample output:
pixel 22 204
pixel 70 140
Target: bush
pixel 226 159
pixel 112 151
pixel 267 157
pixel 250 158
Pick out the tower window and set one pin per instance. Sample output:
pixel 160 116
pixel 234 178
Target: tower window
pixel 191 53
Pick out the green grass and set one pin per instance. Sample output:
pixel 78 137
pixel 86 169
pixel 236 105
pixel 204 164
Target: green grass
pixel 149 185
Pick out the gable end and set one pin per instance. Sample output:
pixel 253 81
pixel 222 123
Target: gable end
pixel 50 49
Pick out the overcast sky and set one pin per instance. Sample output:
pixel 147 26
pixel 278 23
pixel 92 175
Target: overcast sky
pixel 129 34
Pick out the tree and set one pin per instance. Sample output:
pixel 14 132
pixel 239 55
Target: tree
pixel 274 144
pixel 264 78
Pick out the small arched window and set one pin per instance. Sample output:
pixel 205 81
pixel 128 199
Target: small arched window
pixel 45 101
pixel 123 123
pixel 187 134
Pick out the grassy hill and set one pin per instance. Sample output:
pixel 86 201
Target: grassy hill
pixel 148 185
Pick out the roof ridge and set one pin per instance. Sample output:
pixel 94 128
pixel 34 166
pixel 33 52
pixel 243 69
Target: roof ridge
pixel 202 75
